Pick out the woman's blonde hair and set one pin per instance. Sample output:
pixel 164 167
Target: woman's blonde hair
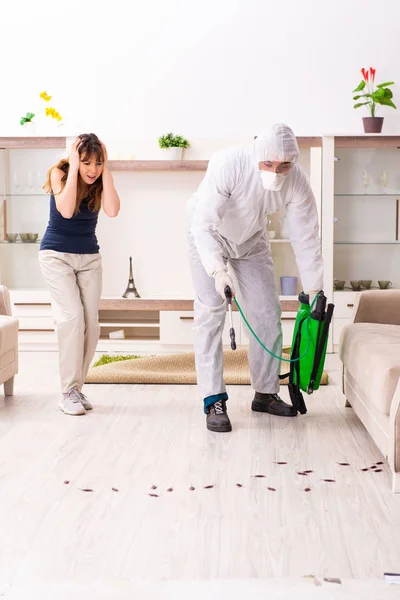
pixel 90 146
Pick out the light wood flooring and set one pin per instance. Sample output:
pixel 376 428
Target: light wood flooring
pixel 54 536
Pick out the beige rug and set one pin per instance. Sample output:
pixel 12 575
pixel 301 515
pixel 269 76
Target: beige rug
pixel 176 369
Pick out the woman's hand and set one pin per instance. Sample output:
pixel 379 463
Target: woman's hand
pixel 105 164
pixel 74 158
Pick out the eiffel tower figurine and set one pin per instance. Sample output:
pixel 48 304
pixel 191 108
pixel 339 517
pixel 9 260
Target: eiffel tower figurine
pixel 131 291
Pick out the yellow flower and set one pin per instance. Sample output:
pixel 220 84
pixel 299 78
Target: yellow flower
pixel 45 97
pixel 51 112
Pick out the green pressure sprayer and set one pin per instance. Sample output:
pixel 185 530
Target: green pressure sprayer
pixel 309 343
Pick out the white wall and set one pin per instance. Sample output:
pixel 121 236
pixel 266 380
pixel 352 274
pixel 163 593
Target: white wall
pixel 151 227
pixel 217 71
pixel 214 70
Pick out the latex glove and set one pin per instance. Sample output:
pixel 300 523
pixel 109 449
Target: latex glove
pixel 312 294
pixel 222 279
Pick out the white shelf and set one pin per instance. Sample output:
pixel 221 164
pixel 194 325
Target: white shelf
pixel 121 325
pixel 369 195
pixel 366 243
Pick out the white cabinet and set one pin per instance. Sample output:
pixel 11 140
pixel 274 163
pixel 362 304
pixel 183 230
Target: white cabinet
pixel 344 304
pixel 360 219
pixel 24 207
pixel 176 328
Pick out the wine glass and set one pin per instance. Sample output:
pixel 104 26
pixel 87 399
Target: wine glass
pixel 30 182
pixel 384 179
pixel 39 182
pixel 365 178
pixel 17 186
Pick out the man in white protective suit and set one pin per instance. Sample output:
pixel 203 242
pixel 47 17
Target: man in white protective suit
pixel 227 226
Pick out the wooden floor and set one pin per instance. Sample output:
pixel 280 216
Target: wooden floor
pixel 141 436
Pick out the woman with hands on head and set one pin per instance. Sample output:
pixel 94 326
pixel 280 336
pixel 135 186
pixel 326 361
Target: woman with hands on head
pixel 71 263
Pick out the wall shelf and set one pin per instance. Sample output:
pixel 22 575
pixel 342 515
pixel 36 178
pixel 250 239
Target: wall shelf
pixel 291 304
pixel 390 195
pixel 366 243
pixel 122 324
pixel 367 141
pixel 31 143
pixel 158 165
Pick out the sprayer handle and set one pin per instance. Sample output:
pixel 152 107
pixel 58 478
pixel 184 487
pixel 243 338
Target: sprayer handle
pixel 228 294
pixel 233 339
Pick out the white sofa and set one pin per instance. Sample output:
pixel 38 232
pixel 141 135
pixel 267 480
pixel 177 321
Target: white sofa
pixel 370 352
pixel 8 343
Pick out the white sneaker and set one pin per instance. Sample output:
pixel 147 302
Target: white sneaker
pixel 85 402
pixel 71 404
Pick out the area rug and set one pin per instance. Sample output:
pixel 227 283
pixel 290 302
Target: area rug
pixel 176 369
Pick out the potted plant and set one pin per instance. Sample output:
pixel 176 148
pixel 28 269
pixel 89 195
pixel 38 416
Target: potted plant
pixel 174 145
pixel 28 122
pixel 371 96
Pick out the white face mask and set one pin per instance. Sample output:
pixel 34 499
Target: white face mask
pixel 272 181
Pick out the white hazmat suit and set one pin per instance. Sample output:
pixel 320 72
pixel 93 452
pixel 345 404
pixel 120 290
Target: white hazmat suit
pixel 227 224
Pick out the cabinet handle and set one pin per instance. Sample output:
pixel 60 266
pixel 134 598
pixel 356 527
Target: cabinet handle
pixel 397 220
pixel 32 304
pixel 186 318
pixel 350 305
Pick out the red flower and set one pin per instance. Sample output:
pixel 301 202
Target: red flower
pixel 365 74
pixel 372 72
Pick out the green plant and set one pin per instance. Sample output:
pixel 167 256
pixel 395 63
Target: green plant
pixel 50 112
pixel 173 141
pixel 105 359
pixel 374 94
pixel 27 119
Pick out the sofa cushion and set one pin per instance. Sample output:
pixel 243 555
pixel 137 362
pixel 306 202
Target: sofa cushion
pixel 8 333
pixel 371 353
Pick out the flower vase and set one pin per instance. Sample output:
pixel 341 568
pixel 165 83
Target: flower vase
pixel 372 124
pixel 29 128
pixel 173 153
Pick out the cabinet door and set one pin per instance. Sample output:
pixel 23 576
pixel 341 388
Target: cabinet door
pixel 24 213
pixel 176 328
pixel 360 219
pixel 366 213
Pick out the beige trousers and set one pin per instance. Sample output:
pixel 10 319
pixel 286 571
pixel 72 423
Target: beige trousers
pixel 74 281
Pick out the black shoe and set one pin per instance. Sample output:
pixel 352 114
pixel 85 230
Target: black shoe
pixel 217 417
pixel 272 404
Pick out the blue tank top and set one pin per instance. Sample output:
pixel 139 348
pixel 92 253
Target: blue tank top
pixel 76 235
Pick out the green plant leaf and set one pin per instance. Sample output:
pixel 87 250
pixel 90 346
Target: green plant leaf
pixel 360 104
pixel 378 95
pixel 172 141
pixel 27 119
pixel 386 102
pixel 360 87
pixel 362 96
pixel 381 85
